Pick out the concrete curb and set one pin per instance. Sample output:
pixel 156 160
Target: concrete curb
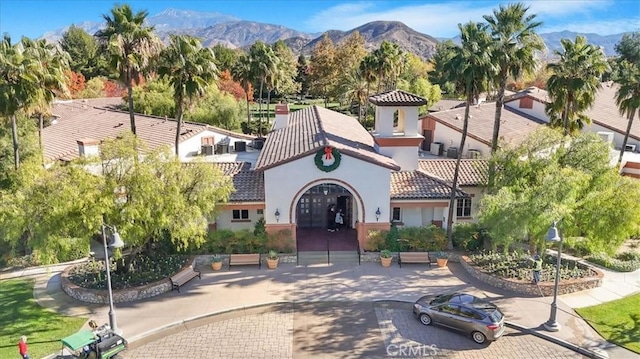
pixel 563 343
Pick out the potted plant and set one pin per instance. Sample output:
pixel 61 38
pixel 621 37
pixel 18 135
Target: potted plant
pixel 272 259
pixel 442 259
pixel 385 257
pixel 216 262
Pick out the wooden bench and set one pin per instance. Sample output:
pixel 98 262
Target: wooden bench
pixel 182 277
pixel 245 259
pixel 415 257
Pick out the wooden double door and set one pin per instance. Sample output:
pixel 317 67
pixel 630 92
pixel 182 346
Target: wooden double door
pixel 314 210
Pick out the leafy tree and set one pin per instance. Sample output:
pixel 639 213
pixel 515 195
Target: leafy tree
pixel 85 57
pixel 629 47
pixel 353 89
pixel 415 68
pixel 228 85
pixel 75 83
pixel 367 68
pixel 219 109
pixel 28 133
pixel 389 61
pixel 241 72
pixel 130 44
pixel 94 88
pixel 421 87
pixel 324 72
pixel 190 69
pixel 287 70
pixel 470 69
pixel 263 65
pixel 303 74
pixel 445 51
pixel 549 177
pixel 574 83
pixel 154 98
pixel 225 57
pixel 627 77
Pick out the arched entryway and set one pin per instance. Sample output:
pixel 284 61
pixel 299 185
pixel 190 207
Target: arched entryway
pixel 315 214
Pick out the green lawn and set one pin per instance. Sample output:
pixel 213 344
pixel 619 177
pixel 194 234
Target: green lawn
pixel 617 321
pixel 21 315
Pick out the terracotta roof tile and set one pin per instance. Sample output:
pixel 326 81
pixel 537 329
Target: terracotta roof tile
pixel 472 171
pixel 534 92
pixel 420 185
pixel 248 184
pixel 314 127
pixel 446 104
pixel 397 98
pixel 605 112
pixel 514 126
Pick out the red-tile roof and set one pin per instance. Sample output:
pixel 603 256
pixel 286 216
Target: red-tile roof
pixel 605 112
pixel 397 98
pixel 473 172
pixel 513 129
pixel 248 184
pixel 314 127
pixel 420 185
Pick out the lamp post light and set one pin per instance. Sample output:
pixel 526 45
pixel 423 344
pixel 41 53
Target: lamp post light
pixel 277 215
pixel 551 324
pixel 116 242
pixel 378 213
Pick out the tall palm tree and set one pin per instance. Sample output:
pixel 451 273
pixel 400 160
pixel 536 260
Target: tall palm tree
pixel 130 44
pixel 389 59
pixel 628 96
pixel 190 69
pixel 241 72
pixel 52 63
pixel 354 89
pixel 368 70
pixel 19 85
pixel 471 70
pixel 263 64
pixel 514 45
pixel 574 83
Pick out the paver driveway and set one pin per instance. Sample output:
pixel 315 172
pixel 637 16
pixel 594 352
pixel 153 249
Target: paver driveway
pixel 332 330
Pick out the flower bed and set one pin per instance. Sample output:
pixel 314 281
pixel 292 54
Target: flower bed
pixel 624 262
pixel 92 274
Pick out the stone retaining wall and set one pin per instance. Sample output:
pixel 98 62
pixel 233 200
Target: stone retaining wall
pixel 525 287
pixel 120 295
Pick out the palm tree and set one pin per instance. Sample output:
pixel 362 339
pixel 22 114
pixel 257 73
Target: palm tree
pixel 130 44
pixel 52 63
pixel 263 64
pixel 628 96
pixel 19 85
pixel 241 72
pixel 514 45
pixel 354 88
pixel 471 70
pixel 190 69
pixel 574 83
pixel 368 71
pixel 388 59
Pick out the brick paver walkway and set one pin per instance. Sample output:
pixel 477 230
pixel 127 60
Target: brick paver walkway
pixel 337 330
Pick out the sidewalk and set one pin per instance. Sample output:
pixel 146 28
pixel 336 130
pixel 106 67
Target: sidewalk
pixel 243 288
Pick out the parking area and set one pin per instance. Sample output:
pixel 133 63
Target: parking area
pixel 336 329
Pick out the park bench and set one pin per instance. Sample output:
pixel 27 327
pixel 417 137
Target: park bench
pixel 415 257
pixel 245 259
pixel 185 275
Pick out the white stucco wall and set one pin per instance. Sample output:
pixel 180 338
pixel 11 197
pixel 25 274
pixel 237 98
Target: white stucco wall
pixel 537 111
pixel 407 120
pixel 192 146
pixel 405 157
pixel 224 220
pixel 451 138
pixel 284 182
pixel 617 136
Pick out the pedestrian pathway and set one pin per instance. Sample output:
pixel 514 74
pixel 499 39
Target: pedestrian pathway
pixel 240 289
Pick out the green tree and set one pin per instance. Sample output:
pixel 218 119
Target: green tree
pixel 324 72
pixel 627 78
pixel 241 72
pixel 94 88
pixel 218 109
pixel 389 62
pixel 264 64
pixel 415 68
pixel 445 51
pixel 302 76
pixel 629 47
pixel 420 86
pixel 470 69
pixel 85 57
pixel 130 44
pixel 225 57
pixel 353 89
pixel 367 68
pixel 20 75
pixel 154 98
pixel 515 44
pixel 287 70
pixel 190 69
pixel 574 83
pixel 28 133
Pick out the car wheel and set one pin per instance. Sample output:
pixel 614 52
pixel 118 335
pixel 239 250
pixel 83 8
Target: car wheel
pixel 425 319
pixel 478 337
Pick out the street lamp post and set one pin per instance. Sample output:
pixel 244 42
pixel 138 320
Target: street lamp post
pixel 116 242
pixel 551 324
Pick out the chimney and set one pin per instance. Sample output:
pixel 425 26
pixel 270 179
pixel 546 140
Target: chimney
pixel 282 116
pixel 88 147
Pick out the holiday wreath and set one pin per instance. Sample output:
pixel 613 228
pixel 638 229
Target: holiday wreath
pixel 327 159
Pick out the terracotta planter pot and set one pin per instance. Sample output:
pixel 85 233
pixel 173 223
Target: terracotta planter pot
pixel 442 262
pixel 216 265
pixel 386 262
pixel 272 263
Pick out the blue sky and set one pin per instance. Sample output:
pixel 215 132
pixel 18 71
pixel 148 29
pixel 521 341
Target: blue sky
pixel 437 18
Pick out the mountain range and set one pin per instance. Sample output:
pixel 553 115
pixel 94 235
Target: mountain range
pixel 217 28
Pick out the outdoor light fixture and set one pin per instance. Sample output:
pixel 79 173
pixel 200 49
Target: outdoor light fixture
pixel 553 236
pixel 378 213
pixel 277 214
pixel 116 242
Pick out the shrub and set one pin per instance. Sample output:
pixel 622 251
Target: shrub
pixel 421 239
pixel 376 240
pixel 624 262
pixel 469 236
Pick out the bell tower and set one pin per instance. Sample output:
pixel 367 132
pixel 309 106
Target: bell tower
pixel 396 129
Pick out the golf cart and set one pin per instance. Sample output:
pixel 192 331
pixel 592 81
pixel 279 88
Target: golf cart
pixel 101 343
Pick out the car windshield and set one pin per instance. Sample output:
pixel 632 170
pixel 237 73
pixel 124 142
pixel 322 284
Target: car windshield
pixel 440 299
